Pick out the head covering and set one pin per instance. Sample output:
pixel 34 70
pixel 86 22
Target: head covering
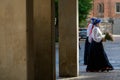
pixel 97 21
pixel 93 20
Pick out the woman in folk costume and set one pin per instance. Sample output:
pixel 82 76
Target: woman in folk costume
pixel 86 49
pixel 98 60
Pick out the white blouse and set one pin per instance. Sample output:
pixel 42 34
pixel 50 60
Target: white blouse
pixel 96 34
pixel 89 29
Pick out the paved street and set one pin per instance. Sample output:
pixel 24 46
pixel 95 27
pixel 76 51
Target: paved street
pixel 113 52
pixel 112 49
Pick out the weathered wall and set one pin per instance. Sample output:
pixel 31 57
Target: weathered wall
pixel 13 40
pixel 116 26
pixel 68 38
pixel 44 39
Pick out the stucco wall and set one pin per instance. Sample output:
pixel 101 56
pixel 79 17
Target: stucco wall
pixel 13 40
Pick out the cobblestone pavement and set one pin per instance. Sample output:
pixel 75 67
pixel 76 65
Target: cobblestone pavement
pixel 113 52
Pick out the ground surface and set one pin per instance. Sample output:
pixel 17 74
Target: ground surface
pixel 113 52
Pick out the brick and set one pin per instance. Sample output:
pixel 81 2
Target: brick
pixel 109 9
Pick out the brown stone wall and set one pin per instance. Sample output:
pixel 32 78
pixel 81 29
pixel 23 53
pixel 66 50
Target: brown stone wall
pixel 13 40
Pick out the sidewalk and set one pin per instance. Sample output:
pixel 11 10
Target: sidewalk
pixel 116 35
pixel 113 75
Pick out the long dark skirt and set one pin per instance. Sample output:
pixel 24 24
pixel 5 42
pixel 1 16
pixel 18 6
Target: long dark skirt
pixel 86 51
pixel 98 60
